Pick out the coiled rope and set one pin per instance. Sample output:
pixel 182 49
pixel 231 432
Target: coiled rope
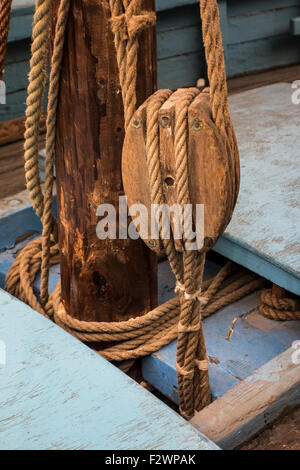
pixel 5 9
pixel 182 315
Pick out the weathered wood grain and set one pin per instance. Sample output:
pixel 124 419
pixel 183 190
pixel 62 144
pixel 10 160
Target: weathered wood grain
pixel 254 403
pixel 211 168
pixel 13 131
pixel 264 232
pixel 12 178
pixel 58 394
pixel 111 279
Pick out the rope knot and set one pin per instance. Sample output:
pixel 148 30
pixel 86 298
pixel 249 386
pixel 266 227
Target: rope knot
pixel 196 295
pixel 129 25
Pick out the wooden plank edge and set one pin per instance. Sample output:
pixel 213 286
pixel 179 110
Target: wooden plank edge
pixel 23 428
pixel 254 403
pixel 229 247
pixel 258 79
pixel 13 129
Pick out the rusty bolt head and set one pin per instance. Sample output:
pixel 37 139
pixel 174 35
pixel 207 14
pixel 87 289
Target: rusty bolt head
pixel 197 124
pixel 165 121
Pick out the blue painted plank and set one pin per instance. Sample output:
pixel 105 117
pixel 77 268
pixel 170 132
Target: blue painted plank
pixel 263 25
pixel 255 341
pixel 20 25
pixel 258 262
pixel 18 223
pixel 59 394
pixel 242 7
pixel 181 71
pixel 264 232
pixel 175 43
pixel 262 54
pixel 162 5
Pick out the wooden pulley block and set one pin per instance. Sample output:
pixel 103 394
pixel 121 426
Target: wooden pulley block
pixel 213 169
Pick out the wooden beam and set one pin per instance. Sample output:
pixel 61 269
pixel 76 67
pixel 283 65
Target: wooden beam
pixel 102 280
pixel 13 129
pixel 254 403
pixel 259 79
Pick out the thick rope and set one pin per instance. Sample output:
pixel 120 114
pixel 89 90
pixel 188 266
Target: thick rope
pixel 182 315
pixel 5 10
pixel 36 89
pixel 49 223
pixel 138 336
pixel 278 308
pixel 127 22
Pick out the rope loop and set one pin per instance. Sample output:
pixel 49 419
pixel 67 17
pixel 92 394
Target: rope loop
pixel 277 308
pixel 129 25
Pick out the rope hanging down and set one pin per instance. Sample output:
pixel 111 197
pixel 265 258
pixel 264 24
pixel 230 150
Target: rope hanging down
pixel 180 316
pixel 5 10
pixel 192 365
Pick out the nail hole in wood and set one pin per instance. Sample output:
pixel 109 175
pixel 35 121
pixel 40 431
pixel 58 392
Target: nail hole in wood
pixel 169 181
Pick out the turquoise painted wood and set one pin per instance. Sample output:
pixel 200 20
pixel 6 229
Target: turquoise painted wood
pixel 21 20
pixel 56 393
pixel 241 7
pixel 261 55
pixel 264 232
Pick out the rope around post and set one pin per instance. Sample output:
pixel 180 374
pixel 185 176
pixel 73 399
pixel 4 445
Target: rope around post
pixel 182 315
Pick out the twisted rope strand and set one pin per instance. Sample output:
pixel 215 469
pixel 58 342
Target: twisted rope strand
pixel 5 10
pixel 36 89
pixel 48 220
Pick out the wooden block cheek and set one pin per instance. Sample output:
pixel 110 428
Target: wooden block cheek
pixel 135 171
pixel 167 160
pixel 209 173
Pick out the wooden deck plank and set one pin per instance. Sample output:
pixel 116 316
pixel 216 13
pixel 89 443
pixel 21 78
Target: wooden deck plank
pixel 255 341
pixel 254 403
pixel 59 394
pixel 266 221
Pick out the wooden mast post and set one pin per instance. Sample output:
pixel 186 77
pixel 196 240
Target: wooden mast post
pixel 102 280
